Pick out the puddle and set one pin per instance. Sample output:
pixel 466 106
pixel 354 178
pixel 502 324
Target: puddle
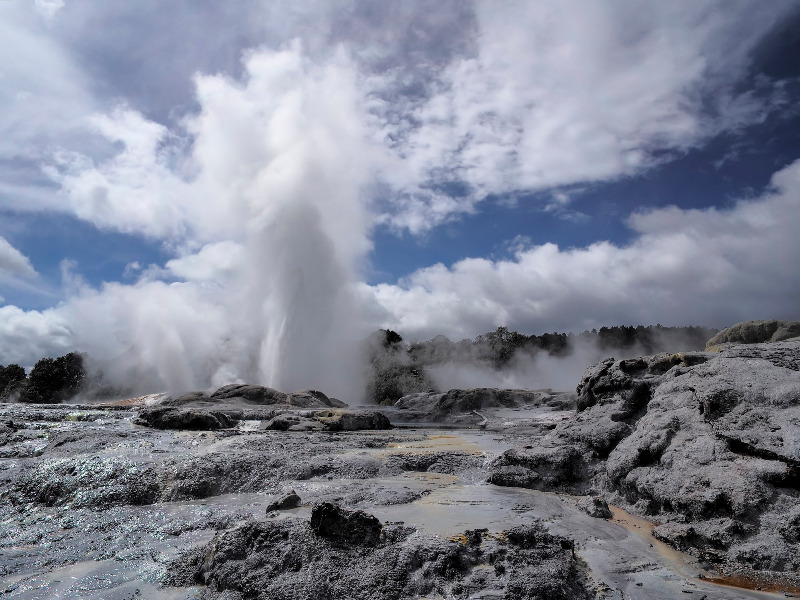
pixel 93 580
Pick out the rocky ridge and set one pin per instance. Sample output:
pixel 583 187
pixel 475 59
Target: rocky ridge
pixel 706 444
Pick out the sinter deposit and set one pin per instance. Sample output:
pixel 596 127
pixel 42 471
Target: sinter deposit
pixel 660 476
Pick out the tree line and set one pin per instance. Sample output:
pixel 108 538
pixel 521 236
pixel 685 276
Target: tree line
pixel 396 369
pixel 51 380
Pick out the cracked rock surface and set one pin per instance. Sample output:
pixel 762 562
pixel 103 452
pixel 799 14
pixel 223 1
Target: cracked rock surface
pixel 707 444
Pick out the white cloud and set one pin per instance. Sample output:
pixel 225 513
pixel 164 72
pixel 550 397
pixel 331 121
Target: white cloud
pixel 30 335
pixel 134 191
pixel 49 8
pixel 570 92
pixel 710 267
pixel 42 92
pixel 219 261
pixel 13 262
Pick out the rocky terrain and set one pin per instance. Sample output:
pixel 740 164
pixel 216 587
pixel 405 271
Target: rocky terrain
pixel 705 444
pixel 660 476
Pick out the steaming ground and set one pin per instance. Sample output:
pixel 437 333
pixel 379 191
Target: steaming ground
pixel 277 304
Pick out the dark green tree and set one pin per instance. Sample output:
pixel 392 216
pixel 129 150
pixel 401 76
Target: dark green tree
pixel 55 379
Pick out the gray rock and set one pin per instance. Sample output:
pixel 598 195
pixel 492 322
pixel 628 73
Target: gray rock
pixel 459 406
pixel 327 421
pixel 354 421
pixel 595 506
pixel 706 443
pixel 285 502
pixel 291 422
pixel 543 468
pixel 286 559
pixel 348 526
pixel 256 394
pixel 170 417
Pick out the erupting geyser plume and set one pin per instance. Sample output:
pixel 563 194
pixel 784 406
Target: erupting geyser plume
pixel 267 210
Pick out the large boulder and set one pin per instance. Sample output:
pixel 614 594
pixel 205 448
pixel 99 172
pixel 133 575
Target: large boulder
pixel 171 417
pixel 346 526
pixel 326 421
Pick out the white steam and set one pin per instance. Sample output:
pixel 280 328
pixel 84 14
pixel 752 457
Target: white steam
pixel 272 226
pixel 542 370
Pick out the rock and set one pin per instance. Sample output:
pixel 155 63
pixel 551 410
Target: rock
pixel 347 526
pixel 188 398
pixel 313 399
pixel 169 417
pixel 706 443
pixel 286 559
pixel 459 406
pixel 542 468
pixel 285 502
pixel 291 422
pixel 355 421
pixel 256 394
pixel 326 421
pixel 755 332
pixel 595 506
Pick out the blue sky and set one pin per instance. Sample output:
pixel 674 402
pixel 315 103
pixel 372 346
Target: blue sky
pixel 259 171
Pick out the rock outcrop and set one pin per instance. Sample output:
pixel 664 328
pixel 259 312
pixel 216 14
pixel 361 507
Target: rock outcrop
pixel 353 527
pixel 285 502
pixel 171 417
pixel 244 395
pixel 755 332
pixel 459 406
pixel 708 444
pixel 289 559
pixel 326 421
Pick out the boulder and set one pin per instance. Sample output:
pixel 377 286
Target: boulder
pixel 595 506
pixel 287 559
pixel 347 526
pixel 255 394
pixel 170 417
pixel 291 422
pixel 543 468
pixel 355 421
pixel 285 502
pixel 326 421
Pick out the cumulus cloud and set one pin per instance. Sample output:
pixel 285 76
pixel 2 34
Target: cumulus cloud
pixel 572 92
pixel 12 261
pixel 42 96
pixel 29 335
pixel 712 267
pixel 49 8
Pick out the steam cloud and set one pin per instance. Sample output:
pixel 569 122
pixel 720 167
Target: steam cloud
pixel 277 170
pixel 542 370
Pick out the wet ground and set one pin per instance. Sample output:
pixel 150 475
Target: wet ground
pixel 427 477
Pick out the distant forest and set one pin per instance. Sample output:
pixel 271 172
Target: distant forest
pixel 397 369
